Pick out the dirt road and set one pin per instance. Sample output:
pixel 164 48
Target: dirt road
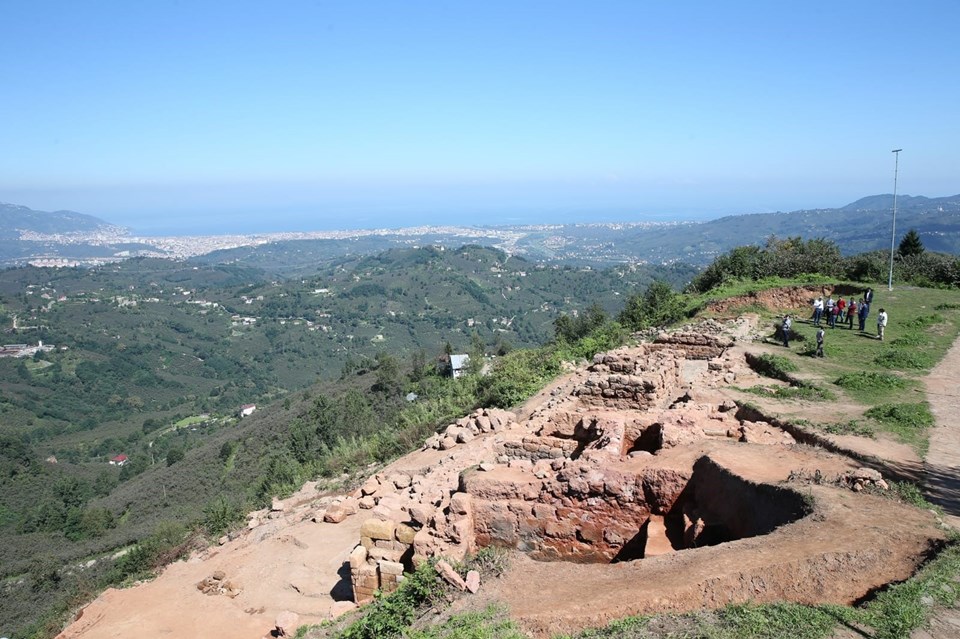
pixel 942 464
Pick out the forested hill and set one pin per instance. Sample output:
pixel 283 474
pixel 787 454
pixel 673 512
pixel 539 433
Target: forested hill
pixel 151 359
pixel 861 226
pixel 15 219
pixel 152 341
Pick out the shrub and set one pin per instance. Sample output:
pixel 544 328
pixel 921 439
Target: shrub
pixel 924 321
pixel 903 359
pixel 869 380
pixel 659 305
pixel 909 416
pixel 391 615
pixel 773 366
pixel 516 376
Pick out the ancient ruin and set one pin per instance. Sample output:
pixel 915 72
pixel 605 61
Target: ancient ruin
pixel 637 457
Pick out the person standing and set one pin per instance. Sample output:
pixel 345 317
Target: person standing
pixel 785 329
pixel 820 335
pixel 834 313
pixel 863 313
pixel 881 323
pixel 851 311
pixel 817 311
pixel 868 297
pixel 841 305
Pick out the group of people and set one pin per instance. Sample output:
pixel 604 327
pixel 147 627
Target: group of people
pixel 838 311
pixel 843 310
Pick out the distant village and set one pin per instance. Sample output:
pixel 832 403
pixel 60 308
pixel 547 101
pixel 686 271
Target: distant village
pixel 24 350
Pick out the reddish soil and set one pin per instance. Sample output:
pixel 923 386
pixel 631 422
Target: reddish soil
pixel 780 299
pixel 849 544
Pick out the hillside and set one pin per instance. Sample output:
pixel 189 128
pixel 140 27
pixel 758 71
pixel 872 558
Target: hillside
pixel 151 359
pixel 16 220
pixel 699 496
pixel 860 226
pixel 159 340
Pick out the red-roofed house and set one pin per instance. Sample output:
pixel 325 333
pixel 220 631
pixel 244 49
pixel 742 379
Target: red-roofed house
pixel 119 460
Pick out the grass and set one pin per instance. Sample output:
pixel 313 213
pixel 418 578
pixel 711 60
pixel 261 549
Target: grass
pixel 869 381
pixel 908 421
pixel 860 428
pixel 801 391
pixel 923 325
pixel 904 359
pixel 773 366
pixel 871 387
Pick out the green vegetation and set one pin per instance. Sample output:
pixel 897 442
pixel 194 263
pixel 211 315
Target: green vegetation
pixel 400 613
pixel 790 258
pixel 908 421
pixel 871 386
pixel 389 616
pixel 892 614
pixel 659 305
pixel 911 244
pixel 812 260
pixel 800 390
pixel 869 381
pixel 773 366
pixel 161 355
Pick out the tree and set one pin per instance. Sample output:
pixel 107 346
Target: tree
pixel 174 455
pixel 911 244
pixel 389 381
pixel 658 306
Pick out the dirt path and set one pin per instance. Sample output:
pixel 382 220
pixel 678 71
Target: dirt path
pixel 942 464
pixel 277 567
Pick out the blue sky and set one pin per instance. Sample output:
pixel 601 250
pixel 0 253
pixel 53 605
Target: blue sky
pixel 294 114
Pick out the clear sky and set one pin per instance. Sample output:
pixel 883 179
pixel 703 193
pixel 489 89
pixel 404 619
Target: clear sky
pixel 335 114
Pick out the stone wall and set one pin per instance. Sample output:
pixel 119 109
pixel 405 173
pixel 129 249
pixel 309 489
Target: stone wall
pixel 631 379
pixel 569 510
pixel 699 346
pixel 384 553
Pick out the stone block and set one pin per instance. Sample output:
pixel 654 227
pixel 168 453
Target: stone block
pixel 378 529
pixel 358 557
pixel 405 534
pixel 391 568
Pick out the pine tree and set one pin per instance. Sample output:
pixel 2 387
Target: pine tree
pixel 910 244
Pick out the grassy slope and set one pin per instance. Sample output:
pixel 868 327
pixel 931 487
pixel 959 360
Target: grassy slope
pixel 877 385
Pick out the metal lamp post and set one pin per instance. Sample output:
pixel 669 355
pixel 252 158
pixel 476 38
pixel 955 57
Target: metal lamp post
pixel 893 230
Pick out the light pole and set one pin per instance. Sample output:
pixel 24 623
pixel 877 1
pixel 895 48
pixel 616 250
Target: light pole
pixel 893 230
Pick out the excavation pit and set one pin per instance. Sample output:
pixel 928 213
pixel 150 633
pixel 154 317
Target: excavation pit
pixel 588 513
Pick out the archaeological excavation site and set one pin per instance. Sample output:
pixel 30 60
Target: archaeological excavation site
pixel 643 482
pixel 640 484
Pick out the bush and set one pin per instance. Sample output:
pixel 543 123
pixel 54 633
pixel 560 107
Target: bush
pixel 868 381
pixel 773 366
pixel 391 615
pixel 659 305
pixel 903 359
pixel 516 376
pixel 221 515
pixel 787 258
pixel 910 416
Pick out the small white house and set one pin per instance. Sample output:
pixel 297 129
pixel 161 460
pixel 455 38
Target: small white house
pixel 247 409
pixel 458 365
